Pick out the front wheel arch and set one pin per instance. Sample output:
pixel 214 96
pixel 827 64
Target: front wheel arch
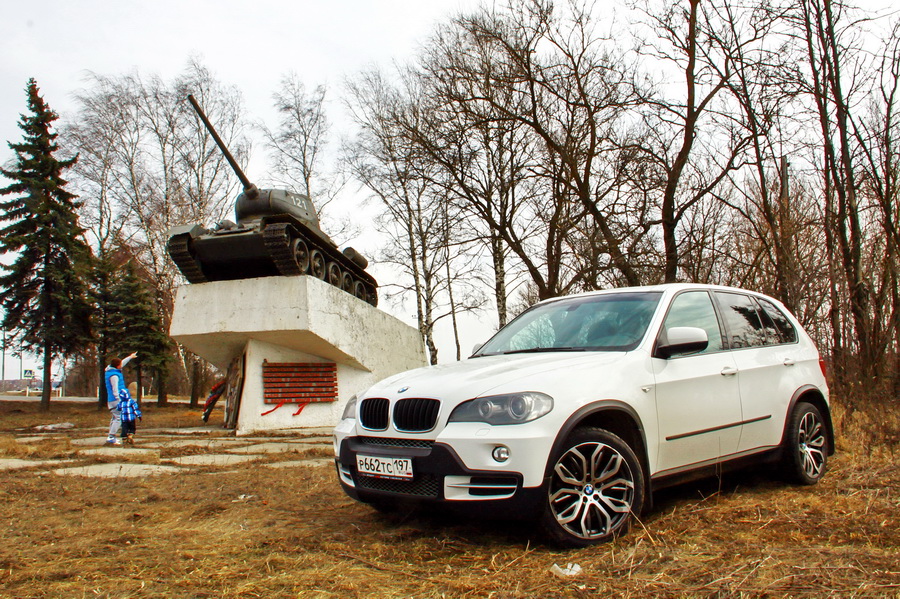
pixel 620 419
pixel 596 489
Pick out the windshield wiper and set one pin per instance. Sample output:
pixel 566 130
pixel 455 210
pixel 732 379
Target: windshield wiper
pixel 535 350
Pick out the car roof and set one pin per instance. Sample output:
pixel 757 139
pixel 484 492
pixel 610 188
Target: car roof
pixel 671 288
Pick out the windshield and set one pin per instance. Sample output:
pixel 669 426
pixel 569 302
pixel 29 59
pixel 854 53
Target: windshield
pixel 609 322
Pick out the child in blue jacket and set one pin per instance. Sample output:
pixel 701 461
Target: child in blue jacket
pixel 131 412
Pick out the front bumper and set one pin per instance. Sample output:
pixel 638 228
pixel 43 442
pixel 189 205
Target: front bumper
pixel 439 477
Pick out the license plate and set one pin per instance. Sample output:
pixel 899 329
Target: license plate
pixel 384 467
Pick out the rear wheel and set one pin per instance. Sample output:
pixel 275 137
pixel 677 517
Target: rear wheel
pixel 317 264
pixel 596 487
pixel 806 445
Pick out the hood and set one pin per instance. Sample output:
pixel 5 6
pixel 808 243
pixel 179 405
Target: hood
pixel 481 376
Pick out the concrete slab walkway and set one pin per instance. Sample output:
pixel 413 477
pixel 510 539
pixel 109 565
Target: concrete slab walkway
pixel 117 470
pixel 173 451
pixel 212 459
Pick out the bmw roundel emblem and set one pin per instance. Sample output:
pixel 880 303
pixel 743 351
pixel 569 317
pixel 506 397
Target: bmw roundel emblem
pixel 402 389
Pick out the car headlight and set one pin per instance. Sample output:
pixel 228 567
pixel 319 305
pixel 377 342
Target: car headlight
pixel 513 408
pixel 350 409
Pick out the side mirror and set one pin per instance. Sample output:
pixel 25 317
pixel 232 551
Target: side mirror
pixel 680 340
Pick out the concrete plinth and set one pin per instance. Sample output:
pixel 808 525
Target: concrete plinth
pixel 294 320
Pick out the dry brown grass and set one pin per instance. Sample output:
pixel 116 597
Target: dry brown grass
pixel 259 532
pixel 20 416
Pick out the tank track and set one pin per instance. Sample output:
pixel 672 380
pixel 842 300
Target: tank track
pixel 277 239
pixel 179 248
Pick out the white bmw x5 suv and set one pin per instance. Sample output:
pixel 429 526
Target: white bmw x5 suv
pixel 577 410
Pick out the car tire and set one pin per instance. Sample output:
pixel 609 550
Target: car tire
pixel 596 488
pixel 805 445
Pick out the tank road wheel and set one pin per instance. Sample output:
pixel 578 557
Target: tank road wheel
pixel 359 290
pixel 333 274
pixel 372 296
pixel 347 282
pixel 301 255
pixel 317 264
pixel 596 485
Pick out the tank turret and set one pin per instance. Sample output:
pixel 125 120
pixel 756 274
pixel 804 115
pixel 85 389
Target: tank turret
pixel 277 233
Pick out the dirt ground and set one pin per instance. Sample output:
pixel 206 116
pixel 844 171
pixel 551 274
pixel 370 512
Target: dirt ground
pixel 246 531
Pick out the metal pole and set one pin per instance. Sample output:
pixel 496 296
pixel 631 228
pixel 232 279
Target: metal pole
pixel 4 355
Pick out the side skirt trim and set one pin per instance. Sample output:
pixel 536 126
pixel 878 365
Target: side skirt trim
pixel 711 463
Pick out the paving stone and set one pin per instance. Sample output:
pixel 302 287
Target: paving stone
pixel 212 459
pixel 89 441
pixel 316 440
pixel 280 447
pixel 59 426
pixel 123 452
pixel 117 470
pixel 195 430
pixel 15 463
pixel 288 434
pixel 205 442
pixel 312 430
pixel 144 460
pixel 35 439
pixel 301 463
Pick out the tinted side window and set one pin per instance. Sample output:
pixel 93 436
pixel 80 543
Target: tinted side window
pixel 783 331
pixel 695 309
pixel 742 320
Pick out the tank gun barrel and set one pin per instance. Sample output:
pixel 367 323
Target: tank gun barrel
pixel 249 188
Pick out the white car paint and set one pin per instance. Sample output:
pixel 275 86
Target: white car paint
pixel 693 409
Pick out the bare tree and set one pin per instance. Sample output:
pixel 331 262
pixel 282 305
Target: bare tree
pixel 298 146
pixel 569 91
pixel 152 166
pixel 832 76
pixel 415 217
pixel 876 135
pixel 484 162
pixel 682 37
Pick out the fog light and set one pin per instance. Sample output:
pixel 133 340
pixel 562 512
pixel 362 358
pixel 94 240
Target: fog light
pixel 500 453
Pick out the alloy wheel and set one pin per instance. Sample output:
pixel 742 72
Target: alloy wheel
pixel 592 490
pixel 812 443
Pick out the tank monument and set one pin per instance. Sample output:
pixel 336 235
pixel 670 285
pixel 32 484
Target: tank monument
pixel 273 303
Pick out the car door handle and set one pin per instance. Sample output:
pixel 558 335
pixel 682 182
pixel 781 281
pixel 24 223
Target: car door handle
pixel 729 371
pixel 789 362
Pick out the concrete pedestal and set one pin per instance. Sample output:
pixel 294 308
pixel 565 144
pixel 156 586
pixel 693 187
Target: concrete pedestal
pixel 291 320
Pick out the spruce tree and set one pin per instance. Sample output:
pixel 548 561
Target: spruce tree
pixel 105 322
pixel 133 313
pixel 43 291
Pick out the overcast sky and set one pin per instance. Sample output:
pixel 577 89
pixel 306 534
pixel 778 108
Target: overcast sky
pixel 246 44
